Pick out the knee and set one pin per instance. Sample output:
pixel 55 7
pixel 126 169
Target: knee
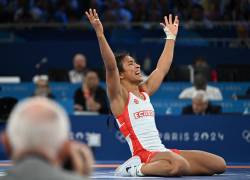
pixel 220 166
pixel 179 168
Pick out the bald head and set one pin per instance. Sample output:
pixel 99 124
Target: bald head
pixel 79 62
pixel 199 102
pixel 38 123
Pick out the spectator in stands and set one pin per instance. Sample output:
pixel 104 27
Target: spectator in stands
pixel 77 74
pixel 200 105
pixel 212 9
pixel 198 18
pixel 200 83
pixel 200 65
pixel 66 11
pixel 23 12
pixel 243 40
pixel 91 97
pixel 42 87
pixel 36 139
pixel 115 12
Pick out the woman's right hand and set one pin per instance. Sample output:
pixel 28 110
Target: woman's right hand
pixel 95 21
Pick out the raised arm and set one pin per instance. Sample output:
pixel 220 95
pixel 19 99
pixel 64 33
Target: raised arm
pixel 112 74
pixel 156 77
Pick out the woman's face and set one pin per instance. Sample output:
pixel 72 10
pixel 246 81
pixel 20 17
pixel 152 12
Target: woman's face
pixel 131 70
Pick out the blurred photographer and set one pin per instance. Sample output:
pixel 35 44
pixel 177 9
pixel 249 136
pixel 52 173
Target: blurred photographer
pixel 37 141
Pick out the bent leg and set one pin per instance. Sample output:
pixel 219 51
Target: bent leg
pixel 166 164
pixel 203 163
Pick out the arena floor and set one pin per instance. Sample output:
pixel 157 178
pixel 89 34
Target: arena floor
pixel 106 171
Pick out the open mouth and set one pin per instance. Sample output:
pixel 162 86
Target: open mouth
pixel 138 73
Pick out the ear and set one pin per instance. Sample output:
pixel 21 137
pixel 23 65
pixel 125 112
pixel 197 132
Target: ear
pixel 5 141
pixel 64 152
pixel 121 75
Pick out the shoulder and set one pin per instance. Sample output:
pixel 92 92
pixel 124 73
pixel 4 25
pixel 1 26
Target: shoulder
pixel 188 89
pixel 71 72
pixel 212 88
pixel 40 170
pixel 187 93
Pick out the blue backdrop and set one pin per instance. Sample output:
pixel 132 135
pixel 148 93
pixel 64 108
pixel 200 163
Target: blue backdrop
pixel 21 58
pixel 228 136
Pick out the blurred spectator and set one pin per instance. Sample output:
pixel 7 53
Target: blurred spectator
pixel 36 139
pixel 42 87
pixel 201 66
pixel 200 105
pixel 77 74
pixel 125 11
pixel 243 37
pixel 198 19
pixel 24 12
pixel 212 9
pixel 115 12
pixel 200 83
pixel 155 11
pixel 61 11
pixel 91 97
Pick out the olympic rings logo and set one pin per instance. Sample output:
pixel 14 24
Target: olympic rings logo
pixel 246 135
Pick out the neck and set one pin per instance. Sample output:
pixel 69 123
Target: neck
pixel 130 86
pixel 19 155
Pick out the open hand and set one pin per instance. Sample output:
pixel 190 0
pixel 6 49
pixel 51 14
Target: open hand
pixel 95 21
pixel 79 158
pixel 170 26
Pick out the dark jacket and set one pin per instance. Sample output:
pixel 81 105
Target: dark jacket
pixel 100 96
pixel 39 169
pixel 211 109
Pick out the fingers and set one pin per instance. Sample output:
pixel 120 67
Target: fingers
pixel 95 14
pixel 176 21
pixel 170 20
pixel 82 158
pixel 163 25
pixel 166 20
pixel 91 14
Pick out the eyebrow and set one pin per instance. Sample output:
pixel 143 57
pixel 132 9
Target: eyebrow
pixel 131 61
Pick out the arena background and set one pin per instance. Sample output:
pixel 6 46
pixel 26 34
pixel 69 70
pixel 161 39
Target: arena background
pixel 40 37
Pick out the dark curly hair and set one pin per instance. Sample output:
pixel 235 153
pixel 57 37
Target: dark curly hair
pixel 119 58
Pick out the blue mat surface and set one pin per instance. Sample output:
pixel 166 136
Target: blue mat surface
pixel 103 171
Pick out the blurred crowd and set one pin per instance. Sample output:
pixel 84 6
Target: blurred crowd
pixel 123 11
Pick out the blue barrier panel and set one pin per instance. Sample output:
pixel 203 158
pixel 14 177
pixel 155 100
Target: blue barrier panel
pixel 228 136
pixel 165 100
pixel 170 90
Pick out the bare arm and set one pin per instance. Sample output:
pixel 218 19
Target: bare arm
pixel 156 77
pixel 112 74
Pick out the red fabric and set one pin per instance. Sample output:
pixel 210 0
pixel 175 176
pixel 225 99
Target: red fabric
pixel 177 151
pixel 145 156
